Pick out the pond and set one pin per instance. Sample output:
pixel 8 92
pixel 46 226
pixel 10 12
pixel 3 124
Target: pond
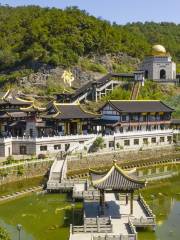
pixel 164 199
pixel 47 217
pixel 43 217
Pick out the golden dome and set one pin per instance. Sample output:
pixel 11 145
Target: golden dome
pixel 158 50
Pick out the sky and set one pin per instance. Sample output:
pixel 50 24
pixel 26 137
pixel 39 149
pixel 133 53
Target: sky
pixel 119 11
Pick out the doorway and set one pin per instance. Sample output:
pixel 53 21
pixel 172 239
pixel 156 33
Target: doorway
pixel 162 74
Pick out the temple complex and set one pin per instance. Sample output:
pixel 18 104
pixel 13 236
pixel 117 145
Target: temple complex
pixel 26 128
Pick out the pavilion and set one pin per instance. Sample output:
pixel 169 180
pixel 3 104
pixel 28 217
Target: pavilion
pixel 115 180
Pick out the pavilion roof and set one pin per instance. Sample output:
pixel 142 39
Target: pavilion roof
pixel 115 179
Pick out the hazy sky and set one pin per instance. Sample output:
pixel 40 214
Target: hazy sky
pixel 120 11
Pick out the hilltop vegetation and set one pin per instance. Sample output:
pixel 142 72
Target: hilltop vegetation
pixel 60 37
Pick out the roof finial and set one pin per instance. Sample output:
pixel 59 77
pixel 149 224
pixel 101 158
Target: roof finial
pixel 114 162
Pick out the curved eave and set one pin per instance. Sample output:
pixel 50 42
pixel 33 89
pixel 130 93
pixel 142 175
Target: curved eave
pixel 5 95
pixel 32 108
pixel 123 173
pixel 98 172
pixel 24 100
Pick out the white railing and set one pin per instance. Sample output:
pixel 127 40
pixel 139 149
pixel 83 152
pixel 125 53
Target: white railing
pixel 107 84
pixel 61 137
pixel 92 228
pixel 154 132
pixel 114 237
pixel 144 221
pixel 87 136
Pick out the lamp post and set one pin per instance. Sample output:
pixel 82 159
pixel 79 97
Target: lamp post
pixel 72 213
pixel 19 227
pixel 152 198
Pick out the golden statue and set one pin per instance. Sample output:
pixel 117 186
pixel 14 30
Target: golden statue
pixel 68 77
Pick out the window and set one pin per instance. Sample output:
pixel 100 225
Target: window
pixel 43 148
pixel 161 139
pixel 153 140
pixel 146 74
pixel 126 142
pixel 57 147
pixel 23 150
pixel 136 141
pixel 145 140
pixel 111 144
pixel 123 118
pixel 169 138
pixel 67 146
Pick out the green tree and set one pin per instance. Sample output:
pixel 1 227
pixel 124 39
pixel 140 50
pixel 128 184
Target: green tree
pixel 3 234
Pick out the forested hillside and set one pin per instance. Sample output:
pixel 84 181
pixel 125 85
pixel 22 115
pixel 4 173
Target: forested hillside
pixel 60 37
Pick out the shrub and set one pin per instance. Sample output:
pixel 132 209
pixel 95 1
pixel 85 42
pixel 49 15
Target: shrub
pixel 117 145
pixel 3 173
pixel 41 156
pixel 86 64
pixel 10 160
pixel 20 170
pixel 98 144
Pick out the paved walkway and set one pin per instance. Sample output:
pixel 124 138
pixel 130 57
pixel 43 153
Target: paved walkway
pixel 119 212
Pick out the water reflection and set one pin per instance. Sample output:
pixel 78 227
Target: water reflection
pixel 166 206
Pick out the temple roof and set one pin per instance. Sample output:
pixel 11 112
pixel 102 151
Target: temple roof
pixel 13 114
pixel 139 106
pixel 68 111
pixel 115 179
pixel 33 108
pixel 11 97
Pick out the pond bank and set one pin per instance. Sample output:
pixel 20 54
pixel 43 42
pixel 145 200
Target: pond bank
pixel 18 186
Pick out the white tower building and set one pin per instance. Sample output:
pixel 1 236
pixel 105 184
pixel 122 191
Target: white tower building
pixel 159 65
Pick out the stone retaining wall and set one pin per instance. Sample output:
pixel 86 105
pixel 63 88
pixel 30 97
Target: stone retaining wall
pixel 105 159
pixel 24 171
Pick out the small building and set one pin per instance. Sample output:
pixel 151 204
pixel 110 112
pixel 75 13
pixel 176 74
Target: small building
pixel 159 65
pixel 137 115
pixel 136 124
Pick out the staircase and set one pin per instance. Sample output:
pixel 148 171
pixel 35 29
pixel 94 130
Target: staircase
pixel 79 147
pixel 135 91
pixel 58 171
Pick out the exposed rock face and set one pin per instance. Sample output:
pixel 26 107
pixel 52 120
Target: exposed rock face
pixel 42 72
pixel 41 77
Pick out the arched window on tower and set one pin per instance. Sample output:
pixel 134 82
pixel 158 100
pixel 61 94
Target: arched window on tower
pixel 162 74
